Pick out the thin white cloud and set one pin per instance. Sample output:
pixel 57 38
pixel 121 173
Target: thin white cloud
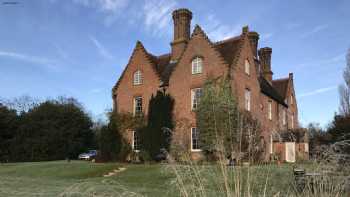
pixel 216 30
pixel 47 63
pixel 157 15
pixel 101 49
pixel 332 60
pixel 318 91
pixel 104 5
pixel 314 30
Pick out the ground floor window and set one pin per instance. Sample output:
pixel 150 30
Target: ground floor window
pixel 271 144
pixel 135 141
pixel 195 139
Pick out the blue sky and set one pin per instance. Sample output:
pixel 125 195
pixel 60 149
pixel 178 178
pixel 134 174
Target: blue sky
pixel 79 48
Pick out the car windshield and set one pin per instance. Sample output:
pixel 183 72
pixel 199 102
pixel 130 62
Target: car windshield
pixel 92 152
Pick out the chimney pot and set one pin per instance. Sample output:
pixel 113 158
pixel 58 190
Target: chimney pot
pixel 245 29
pixel 254 39
pixel 265 62
pixel 182 26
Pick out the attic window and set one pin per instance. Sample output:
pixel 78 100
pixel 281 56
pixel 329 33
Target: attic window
pixel 197 65
pixel 247 67
pixel 138 77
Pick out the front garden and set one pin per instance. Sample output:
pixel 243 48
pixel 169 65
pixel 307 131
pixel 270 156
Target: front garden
pixel 79 178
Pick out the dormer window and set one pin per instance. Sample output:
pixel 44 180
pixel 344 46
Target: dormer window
pixel 197 65
pixel 138 77
pixel 247 67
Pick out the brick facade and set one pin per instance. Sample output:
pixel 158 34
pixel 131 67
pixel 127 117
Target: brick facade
pixel 225 58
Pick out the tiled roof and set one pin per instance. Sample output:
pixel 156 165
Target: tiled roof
pixel 281 86
pixel 228 48
pixel 267 89
pixel 163 66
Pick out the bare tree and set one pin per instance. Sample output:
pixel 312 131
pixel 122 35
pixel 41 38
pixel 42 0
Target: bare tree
pixel 20 104
pixel 344 89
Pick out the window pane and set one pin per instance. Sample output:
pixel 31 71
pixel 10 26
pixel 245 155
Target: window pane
pixel 247 67
pixel 195 96
pixel 270 110
pixel 136 141
pixel 195 139
pixel 247 100
pixel 138 105
pixel 138 78
pixel 196 65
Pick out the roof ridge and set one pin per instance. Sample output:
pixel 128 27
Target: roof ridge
pixel 227 40
pixel 281 79
pixel 163 55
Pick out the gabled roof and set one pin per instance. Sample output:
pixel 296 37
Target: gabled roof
pixel 281 86
pixel 228 49
pixel 151 58
pixel 267 89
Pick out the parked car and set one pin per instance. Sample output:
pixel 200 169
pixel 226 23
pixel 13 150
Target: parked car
pixel 90 155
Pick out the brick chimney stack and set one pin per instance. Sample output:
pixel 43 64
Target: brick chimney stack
pixel 182 27
pixel 254 38
pixel 265 62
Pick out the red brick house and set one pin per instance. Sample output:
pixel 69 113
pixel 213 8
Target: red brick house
pixel 183 71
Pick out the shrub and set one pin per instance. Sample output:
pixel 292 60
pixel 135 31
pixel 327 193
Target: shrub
pixel 223 128
pixel 157 133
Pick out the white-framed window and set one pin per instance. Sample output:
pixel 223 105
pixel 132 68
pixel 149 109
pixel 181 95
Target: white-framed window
pixel 247 99
pixel 197 65
pixel 135 141
pixel 247 67
pixel 138 77
pixel 137 105
pixel 195 139
pixel 306 147
pixel 271 144
pixel 195 97
pixel 284 117
pixel 269 108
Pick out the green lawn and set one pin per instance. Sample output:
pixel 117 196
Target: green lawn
pixel 80 178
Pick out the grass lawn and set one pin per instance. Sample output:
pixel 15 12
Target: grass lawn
pixel 80 178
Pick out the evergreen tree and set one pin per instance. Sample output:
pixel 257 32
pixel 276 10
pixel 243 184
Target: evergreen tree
pixel 53 130
pixel 8 123
pixel 156 135
pixel 112 145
